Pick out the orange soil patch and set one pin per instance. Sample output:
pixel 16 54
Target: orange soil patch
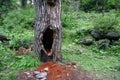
pixel 56 71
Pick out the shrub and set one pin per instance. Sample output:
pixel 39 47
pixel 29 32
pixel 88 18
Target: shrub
pixel 107 22
pixel 69 20
pixel 18 18
pixel 21 38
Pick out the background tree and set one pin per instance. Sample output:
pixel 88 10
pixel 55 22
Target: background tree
pixel 48 30
pixel 5 5
pixel 23 3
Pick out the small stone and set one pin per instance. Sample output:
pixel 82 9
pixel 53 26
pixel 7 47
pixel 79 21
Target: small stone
pixel 41 75
pixel 75 66
pixel 67 74
pixel 38 76
pixel 86 42
pixel 80 51
pixel 29 76
pixel 36 72
pixel 44 78
pixel 46 69
pixel 27 73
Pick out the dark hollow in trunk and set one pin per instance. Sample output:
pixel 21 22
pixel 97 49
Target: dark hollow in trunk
pixel 48 40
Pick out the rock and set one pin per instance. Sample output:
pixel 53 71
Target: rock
pixel 36 72
pixel 104 44
pixel 97 34
pixel 86 41
pixel 115 35
pixel 44 79
pixel 27 73
pixel 38 76
pixel 44 74
pixel 41 75
pixel 80 51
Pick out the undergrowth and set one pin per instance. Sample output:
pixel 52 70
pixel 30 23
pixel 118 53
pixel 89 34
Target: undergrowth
pixel 18 27
pixel 10 63
pixel 104 62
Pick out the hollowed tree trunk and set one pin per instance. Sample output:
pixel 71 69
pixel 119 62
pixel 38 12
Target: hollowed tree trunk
pixel 48 30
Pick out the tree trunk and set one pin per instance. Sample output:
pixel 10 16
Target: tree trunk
pixel 48 30
pixel 23 3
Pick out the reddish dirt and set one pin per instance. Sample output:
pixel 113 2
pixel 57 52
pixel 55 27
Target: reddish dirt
pixel 58 71
pixel 48 51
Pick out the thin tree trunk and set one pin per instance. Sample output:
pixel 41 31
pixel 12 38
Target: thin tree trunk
pixel 24 4
pixel 48 30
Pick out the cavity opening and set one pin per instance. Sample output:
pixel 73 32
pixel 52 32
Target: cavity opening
pixel 48 40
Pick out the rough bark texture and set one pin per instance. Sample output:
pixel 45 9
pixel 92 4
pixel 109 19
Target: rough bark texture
pixel 48 30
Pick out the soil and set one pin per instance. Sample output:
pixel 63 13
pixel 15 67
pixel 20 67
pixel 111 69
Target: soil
pixel 56 71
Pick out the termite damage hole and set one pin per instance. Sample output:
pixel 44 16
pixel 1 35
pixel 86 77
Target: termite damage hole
pixel 48 40
pixel 51 2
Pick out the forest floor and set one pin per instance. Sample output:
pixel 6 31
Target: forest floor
pixel 60 71
pixel 55 71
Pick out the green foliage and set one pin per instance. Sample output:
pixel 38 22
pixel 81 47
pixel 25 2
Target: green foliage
pixel 19 38
pixel 115 49
pixel 24 62
pixel 10 63
pixel 69 20
pixel 17 26
pixel 99 5
pixel 8 75
pixel 9 5
pixel 107 22
pixel 5 5
pixel 66 5
pixel 19 19
pixel 91 5
pixel 5 56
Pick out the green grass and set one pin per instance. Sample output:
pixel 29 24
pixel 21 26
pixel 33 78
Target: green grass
pixel 102 64
pixel 17 26
pixel 11 64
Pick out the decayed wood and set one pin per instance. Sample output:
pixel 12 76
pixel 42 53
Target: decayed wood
pixel 48 30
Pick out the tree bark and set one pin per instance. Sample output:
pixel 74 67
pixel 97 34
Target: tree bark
pixel 48 30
